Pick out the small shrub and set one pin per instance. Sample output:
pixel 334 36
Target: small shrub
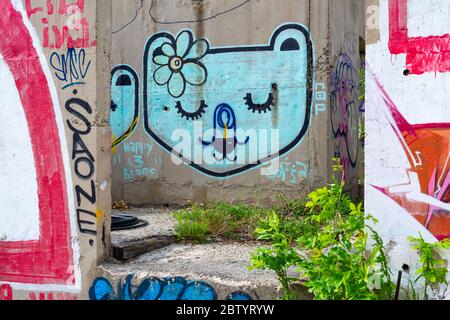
pixel 433 269
pixel 279 257
pixel 336 259
pixel 287 207
pixel 193 231
pixel 340 264
pixel 202 223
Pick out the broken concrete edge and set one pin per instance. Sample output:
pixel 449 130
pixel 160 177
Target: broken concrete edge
pixel 224 289
pixel 223 269
pixel 131 250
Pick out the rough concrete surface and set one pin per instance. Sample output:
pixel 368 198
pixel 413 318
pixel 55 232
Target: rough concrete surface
pixel 223 265
pixel 129 244
pixel 161 223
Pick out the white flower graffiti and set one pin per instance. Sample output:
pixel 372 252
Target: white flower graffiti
pixel 179 63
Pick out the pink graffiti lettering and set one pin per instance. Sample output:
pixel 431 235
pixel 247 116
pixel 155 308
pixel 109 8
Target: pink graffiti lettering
pixel 49 296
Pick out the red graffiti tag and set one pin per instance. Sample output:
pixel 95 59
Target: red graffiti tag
pixel 423 54
pixel 49 296
pixel 48 260
pixel 63 8
pixel 62 35
pixel 5 292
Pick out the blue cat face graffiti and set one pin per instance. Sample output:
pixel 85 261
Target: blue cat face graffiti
pixel 124 108
pixel 225 110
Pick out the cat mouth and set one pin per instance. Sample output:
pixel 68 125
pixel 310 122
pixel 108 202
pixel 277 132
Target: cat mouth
pixel 225 147
pixel 225 121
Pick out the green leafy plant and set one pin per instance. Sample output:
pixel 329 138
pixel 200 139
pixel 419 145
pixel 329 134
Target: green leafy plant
pixel 279 257
pixel 191 224
pixel 362 126
pixel 433 269
pixel 338 262
pixel 387 287
pixel 291 213
pixel 362 84
pixel 288 207
pixel 362 132
pixel 341 264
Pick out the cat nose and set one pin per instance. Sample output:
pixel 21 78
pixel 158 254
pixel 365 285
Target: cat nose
pixel 224 117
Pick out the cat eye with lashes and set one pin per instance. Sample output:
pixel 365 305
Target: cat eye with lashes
pixel 256 107
pixel 196 115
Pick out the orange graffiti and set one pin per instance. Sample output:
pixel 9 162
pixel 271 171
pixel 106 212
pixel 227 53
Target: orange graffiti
pixel 427 147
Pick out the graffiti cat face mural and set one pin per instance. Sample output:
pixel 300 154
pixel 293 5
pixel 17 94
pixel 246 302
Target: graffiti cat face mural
pixel 225 110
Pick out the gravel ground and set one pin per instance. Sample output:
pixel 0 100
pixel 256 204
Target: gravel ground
pixel 224 265
pixel 160 223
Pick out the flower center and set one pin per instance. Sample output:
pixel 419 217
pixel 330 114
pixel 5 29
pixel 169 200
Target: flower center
pixel 176 63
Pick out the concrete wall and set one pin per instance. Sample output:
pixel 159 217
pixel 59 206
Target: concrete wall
pixel 258 65
pixel 407 122
pixel 347 37
pixel 55 141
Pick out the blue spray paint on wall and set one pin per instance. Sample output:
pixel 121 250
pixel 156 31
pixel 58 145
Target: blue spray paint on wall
pixel 71 67
pixel 291 172
pixel 267 88
pixel 124 111
pixel 176 288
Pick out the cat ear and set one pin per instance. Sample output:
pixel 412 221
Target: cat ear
pixel 290 44
pixel 123 77
pixel 289 38
pixel 124 102
pixel 123 80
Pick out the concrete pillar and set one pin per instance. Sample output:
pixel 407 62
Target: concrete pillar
pixel 55 211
